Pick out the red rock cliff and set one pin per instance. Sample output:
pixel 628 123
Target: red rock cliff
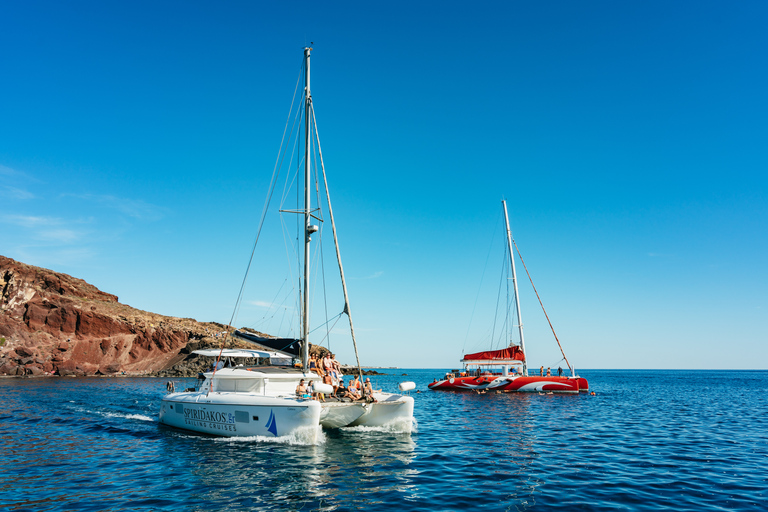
pixel 53 323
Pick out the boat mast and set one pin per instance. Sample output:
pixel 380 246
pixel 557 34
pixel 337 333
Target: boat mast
pixel 514 284
pixel 307 217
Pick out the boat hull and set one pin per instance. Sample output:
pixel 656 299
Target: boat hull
pixel 388 410
pixel 531 384
pixel 341 414
pixel 239 414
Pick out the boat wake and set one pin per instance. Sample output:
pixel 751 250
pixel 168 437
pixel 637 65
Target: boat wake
pixel 302 436
pixel 140 417
pixel 106 414
pixel 398 426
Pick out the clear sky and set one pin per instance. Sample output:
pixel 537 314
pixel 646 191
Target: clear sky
pixel 630 139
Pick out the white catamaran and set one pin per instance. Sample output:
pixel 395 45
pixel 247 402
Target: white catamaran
pixel 261 400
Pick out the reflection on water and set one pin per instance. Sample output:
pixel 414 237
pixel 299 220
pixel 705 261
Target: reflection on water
pixel 647 441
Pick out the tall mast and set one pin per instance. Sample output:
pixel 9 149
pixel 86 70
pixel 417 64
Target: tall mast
pixel 514 284
pixel 307 217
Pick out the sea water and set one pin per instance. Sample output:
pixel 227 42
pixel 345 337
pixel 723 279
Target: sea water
pixel 647 440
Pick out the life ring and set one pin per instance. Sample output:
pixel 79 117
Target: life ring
pixel 451 380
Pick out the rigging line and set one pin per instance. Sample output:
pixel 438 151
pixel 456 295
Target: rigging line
pixel 338 251
pixel 299 266
pixel 507 308
pixel 273 181
pixel 288 247
pixel 561 359
pixel 327 322
pixel 314 264
pixel 295 128
pixel 272 302
pixel 291 178
pixel 542 305
pixel 498 298
pixel 338 317
pixel 480 287
pixel 322 252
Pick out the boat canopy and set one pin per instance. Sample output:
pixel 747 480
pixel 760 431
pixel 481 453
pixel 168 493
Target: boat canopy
pixel 287 345
pixel 247 353
pixel 509 355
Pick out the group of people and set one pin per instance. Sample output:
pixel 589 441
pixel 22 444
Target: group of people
pixel 329 369
pixel 354 391
pixel 549 372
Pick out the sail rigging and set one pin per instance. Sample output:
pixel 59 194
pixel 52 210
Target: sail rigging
pixel 301 138
pixel 274 392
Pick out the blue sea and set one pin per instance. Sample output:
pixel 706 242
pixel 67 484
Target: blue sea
pixel 648 440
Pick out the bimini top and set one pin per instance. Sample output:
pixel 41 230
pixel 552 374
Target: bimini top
pixel 509 355
pixel 286 345
pixel 248 353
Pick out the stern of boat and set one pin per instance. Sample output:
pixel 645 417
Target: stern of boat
pixel 389 410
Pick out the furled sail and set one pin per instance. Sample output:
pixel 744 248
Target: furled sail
pixel 506 354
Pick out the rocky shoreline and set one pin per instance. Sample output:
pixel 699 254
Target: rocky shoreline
pixel 52 324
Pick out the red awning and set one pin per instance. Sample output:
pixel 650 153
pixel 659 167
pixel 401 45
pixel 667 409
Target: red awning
pixel 491 355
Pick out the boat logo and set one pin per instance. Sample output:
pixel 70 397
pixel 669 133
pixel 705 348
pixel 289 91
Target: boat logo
pixel 272 424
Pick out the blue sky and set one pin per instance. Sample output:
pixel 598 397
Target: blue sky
pixel 137 140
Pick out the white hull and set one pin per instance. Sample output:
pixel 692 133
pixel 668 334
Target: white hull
pixel 239 414
pixel 388 409
pixel 341 414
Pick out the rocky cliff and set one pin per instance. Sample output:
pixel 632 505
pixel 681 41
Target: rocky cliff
pixel 52 323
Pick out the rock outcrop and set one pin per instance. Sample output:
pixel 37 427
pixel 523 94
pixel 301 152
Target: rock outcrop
pixel 54 324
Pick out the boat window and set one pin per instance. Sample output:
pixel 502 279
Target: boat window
pixel 237 385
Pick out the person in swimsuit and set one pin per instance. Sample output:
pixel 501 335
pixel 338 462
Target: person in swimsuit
pixel 301 390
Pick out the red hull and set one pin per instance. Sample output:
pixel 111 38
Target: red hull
pixel 532 384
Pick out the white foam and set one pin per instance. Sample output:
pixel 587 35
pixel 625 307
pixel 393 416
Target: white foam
pixel 398 426
pixel 304 436
pixel 141 417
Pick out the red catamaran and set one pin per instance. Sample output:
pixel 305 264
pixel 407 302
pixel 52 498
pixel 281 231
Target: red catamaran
pixel 506 369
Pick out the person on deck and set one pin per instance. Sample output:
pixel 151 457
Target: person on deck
pixel 327 380
pixel 549 373
pixel 327 364
pixel 301 389
pixel 331 372
pixel 541 371
pixel 353 392
pixel 368 389
pixel 336 367
pixel 342 388
pixel 560 371
pixel 355 384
